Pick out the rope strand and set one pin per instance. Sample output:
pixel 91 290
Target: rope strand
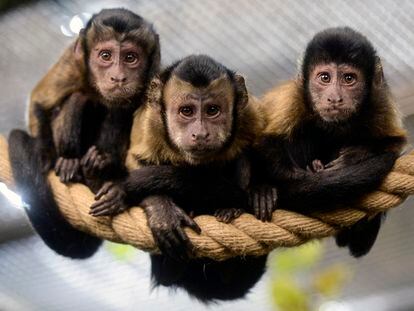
pixel 244 236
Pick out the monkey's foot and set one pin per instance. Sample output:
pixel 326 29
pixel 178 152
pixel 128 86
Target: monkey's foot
pixel 67 169
pixel 94 161
pixel 110 200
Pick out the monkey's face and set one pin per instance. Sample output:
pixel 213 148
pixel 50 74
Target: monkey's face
pixel 199 120
pixel 336 91
pixel 117 70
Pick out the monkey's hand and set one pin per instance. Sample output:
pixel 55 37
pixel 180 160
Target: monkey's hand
pixel 94 162
pixel 166 221
pixel 227 215
pixel 110 200
pixel 316 166
pixel 67 169
pixel 263 199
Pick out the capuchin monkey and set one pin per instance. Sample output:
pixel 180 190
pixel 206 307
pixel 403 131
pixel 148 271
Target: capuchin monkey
pixel 80 117
pixel 190 138
pixel 333 134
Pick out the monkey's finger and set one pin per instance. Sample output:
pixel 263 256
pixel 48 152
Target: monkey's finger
pixel 228 217
pixel 168 246
pixel 256 206
pixel 269 206
pixel 163 244
pixel 113 210
pixel 96 209
pixel 68 171
pixel 274 196
pixel 238 212
pixel 75 169
pixel 181 243
pixel 103 163
pixel 184 238
pixel 63 170
pixel 189 222
pixel 58 166
pixel 249 198
pixel 90 155
pixel 104 190
pixel 262 209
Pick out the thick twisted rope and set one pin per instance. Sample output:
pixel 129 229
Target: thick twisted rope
pixel 244 236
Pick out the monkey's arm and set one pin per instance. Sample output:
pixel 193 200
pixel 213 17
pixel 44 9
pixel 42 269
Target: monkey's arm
pixel 352 176
pixel 188 185
pixel 357 170
pixel 67 131
pixel 104 161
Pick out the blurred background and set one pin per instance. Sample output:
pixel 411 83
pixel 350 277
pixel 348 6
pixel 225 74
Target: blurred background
pixel 263 40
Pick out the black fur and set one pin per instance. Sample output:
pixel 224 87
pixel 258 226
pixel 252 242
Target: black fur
pixel 198 189
pixel 284 160
pixel 83 122
pixel 42 210
pixel 341 45
pixel 199 70
pixel 209 280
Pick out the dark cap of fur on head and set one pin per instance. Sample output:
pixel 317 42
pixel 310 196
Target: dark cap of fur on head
pixel 121 20
pixel 199 70
pixel 341 45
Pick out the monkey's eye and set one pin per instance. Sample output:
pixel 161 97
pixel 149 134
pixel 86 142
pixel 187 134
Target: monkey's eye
pixel 349 78
pixel 213 110
pixel 186 111
pixel 131 58
pixel 325 77
pixel 105 55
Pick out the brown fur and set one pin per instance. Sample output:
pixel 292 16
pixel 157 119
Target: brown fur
pixel 149 138
pixel 285 110
pixel 65 77
pixel 68 75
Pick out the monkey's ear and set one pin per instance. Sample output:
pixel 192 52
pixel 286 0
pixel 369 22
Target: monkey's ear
pixel 242 94
pixel 378 79
pixel 78 48
pixel 154 92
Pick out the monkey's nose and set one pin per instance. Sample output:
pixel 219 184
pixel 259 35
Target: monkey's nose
pixel 118 79
pixel 200 136
pixel 335 99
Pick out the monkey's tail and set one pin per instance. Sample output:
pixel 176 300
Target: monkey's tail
pixel 41 208
pixel 208 280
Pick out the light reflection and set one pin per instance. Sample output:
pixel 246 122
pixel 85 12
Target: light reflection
pixel 71 26
pixel 14 199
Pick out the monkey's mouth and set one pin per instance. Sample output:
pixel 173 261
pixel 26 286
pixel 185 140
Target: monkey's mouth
pixel 335 114
pixel 199 152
